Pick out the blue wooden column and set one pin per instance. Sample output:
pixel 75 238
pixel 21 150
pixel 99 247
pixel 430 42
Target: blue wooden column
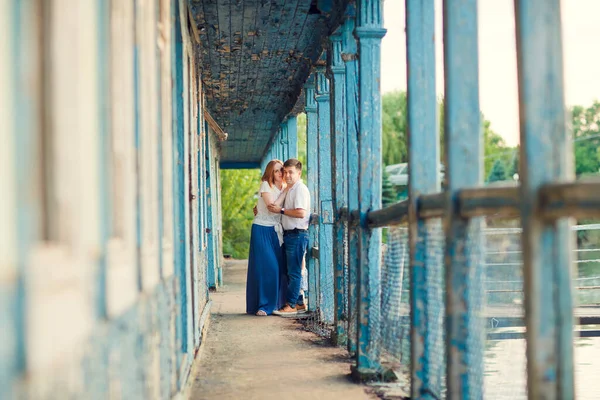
pixel 325 206
pixel 283 142
pixel 369 31
pixel 292 137
pixel 213 266
pixel 312 180
pixel 423 159
pixel 547 246
pixel 351 78
pixel 463 144
pixel 337 72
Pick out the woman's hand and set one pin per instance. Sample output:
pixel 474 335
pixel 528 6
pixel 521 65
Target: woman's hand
pixel 274 208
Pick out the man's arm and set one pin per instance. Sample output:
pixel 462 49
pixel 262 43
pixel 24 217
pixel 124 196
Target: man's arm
pixel 294 212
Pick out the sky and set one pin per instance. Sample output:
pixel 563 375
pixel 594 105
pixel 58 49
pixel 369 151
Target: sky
pixel 497 57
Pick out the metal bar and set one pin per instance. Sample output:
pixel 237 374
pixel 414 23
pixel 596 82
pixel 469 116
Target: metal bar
pixel 312 181
pixel 544 159
pixel 337 72
pixel 489 201
pixel 423 156
pixel 463 145
pixel 369 31
pixel 392 215
pixel 351 63
pixel 432 205
pixel 325 204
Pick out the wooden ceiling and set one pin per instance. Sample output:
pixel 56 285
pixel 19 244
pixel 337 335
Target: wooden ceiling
pixel 255 56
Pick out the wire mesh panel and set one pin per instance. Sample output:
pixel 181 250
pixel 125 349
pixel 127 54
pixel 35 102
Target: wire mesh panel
pixel 395 321
pixel 505 360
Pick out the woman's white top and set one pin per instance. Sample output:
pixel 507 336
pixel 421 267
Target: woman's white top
pixel 264 217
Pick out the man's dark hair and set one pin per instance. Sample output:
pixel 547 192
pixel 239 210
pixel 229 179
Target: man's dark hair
pixel 292 162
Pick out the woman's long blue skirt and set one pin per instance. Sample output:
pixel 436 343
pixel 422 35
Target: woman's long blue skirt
pixel 267 273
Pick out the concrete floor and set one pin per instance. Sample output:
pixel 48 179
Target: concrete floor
pixel 249 357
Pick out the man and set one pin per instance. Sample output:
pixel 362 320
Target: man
pixel 295 217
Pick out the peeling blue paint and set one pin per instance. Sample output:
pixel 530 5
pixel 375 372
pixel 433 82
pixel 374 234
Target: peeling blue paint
pixel 545 154
pixel 369 32
pixel 312 178
pixel 325 238
pixel 463 145
pixel 349 56
pixel 339 184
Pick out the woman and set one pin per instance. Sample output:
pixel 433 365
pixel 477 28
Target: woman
pixel 266 264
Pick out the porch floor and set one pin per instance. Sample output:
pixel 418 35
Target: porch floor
pixel 270 357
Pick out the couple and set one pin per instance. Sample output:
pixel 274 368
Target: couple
pixel 278 242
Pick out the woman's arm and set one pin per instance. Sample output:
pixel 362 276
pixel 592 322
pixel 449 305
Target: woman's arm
pixel 281 197
pixel 267 197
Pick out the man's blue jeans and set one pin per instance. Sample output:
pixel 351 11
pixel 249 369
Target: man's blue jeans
pixel 295 248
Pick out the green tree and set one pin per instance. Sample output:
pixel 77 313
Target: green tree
pixel 586 138
pixel 394 128
pixel 394 135
pixel 238 196
pixel 498 172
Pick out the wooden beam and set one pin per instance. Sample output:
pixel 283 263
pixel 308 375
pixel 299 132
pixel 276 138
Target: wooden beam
pixel 221 134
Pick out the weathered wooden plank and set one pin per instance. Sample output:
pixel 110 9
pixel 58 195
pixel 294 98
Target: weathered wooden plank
pixel 337 71
pixel 432 205
pixel 463 145
pixel 325 204
pixel 545 151
pixel 312 179
pixel 369 31
pixel 349 52
pixel 578 199
pixel 498 202
pixel 395 214
pixel 423 155
pixel 180 194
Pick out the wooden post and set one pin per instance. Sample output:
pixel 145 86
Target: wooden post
pixel 463 144
pixel 369 31
pixel 349 56
pixel 337 72
pixel 545 158
pixel 325 205
pixel 312 178
pixel 427 319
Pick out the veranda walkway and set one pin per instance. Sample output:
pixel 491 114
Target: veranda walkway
pixel 247 357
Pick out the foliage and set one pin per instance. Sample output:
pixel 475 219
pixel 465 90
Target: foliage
pixel 395 128
pixel 586 138
pixel 498 172
pixel 238 197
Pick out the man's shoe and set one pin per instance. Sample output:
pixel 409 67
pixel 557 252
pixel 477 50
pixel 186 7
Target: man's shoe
pixel 301 308
pixel 286 310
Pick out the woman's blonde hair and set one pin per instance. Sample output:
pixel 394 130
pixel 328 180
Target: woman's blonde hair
pixel 269 174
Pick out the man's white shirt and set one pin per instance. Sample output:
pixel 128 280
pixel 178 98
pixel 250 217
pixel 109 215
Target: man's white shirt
pixel 297 197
